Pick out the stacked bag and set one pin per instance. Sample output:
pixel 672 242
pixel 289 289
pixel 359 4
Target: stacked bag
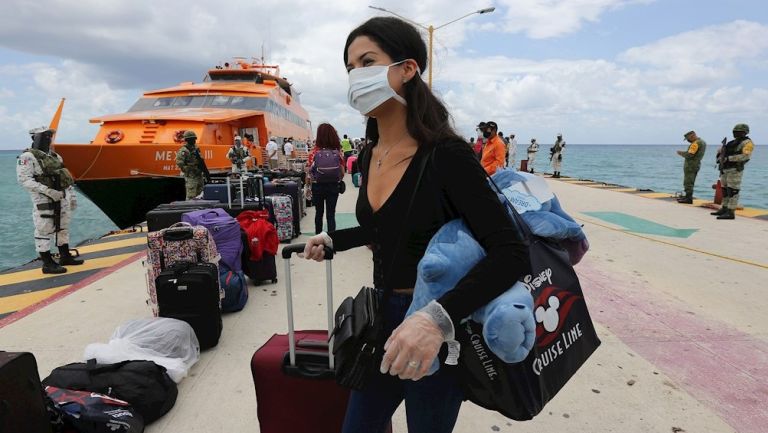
pixel 124 385
pixel 225 232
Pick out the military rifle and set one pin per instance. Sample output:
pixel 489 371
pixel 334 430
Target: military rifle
pixel 721 157
pixel 56 204
pixel 237 159
pixel 202 167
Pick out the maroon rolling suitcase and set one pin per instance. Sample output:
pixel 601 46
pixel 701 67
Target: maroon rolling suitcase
pixel 296 389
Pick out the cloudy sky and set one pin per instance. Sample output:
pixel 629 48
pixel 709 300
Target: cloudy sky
pixel 600 71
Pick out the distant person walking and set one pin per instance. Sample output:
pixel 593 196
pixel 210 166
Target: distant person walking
pixel 532 149
pixel 288 148
pixel 192 166
pixel 272 153
pixel 480 142
pixel 556 155
pixel 512 151
pixel 326 169
pixel 693 156
pixel 41 172
pixel 346 147
pixel 733 157
pixel 493 153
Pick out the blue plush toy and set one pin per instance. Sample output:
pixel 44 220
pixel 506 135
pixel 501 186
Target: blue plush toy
pixel 541 210
pixel 509 327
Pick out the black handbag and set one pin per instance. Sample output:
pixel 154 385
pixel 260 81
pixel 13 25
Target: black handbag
pixel 342 187
pixel 565 338
pixel 359 326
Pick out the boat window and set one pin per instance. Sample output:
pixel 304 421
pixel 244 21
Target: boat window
pixel 181 101
pixel 218 101
pixel 162 102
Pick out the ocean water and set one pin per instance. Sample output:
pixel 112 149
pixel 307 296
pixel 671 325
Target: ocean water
pixel 655 167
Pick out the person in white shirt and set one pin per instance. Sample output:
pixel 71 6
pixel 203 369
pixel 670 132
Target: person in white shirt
pixel 272 153
pixel 288 148
pixel 512 151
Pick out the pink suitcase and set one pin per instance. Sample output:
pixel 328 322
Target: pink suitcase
pixel 180 242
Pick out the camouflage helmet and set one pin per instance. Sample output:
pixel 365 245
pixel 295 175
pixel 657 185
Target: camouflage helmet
pixel 189 134
pixel 741 127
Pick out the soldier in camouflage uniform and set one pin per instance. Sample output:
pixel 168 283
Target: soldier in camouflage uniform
pixel 190 162
pixel 732 158
pixel 692 164
pixel 41 171
pixel 239 156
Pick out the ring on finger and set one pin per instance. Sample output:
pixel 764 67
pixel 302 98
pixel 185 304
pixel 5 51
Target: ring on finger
pixel 413 364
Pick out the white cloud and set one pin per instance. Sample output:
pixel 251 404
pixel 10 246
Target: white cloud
pixel 540 19
pixel 113 51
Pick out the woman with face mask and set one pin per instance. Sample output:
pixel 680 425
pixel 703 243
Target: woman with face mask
pixel 399 212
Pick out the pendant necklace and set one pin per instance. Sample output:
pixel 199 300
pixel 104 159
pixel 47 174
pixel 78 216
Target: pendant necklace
pixel 386 152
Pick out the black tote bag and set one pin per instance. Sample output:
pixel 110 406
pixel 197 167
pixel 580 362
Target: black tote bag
pixel 565 338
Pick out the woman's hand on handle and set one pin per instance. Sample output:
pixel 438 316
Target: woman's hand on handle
pixel 315 247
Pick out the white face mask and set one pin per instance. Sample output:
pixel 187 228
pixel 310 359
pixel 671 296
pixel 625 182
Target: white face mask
pixel 369 87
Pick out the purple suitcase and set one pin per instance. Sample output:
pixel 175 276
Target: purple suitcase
pixel 225 231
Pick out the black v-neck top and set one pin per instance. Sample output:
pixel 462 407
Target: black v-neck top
pixel 453 185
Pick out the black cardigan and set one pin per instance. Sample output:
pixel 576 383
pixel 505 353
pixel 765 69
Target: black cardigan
pixel 453 185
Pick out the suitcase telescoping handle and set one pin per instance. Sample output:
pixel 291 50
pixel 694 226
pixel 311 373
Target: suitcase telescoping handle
pixel 229 192
pixel 288 251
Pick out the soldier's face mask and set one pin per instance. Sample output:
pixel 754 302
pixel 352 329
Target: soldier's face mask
pixel 42 141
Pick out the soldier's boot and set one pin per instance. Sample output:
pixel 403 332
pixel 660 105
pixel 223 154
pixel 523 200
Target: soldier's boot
pixel 720 211
pixel 66 258
pixel 49 265
pixel 728 215
pixel 686 199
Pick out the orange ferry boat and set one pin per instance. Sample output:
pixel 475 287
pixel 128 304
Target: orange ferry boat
pixel 129 167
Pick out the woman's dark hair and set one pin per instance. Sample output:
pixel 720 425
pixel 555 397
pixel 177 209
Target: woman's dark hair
pixel 327 138
pixel 427 119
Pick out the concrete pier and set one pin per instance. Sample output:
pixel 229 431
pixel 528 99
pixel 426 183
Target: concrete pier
pixel 675 294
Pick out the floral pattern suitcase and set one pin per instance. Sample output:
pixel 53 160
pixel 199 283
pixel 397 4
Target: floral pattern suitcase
pixel 283 207
pixel 181 242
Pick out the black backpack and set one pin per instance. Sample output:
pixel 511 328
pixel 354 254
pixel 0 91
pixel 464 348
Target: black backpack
pixel 143 384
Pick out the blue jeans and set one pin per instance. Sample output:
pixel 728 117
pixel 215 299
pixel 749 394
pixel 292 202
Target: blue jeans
pixel 325 195
pixel 431 404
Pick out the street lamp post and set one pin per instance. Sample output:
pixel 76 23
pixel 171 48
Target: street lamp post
pixel 431 29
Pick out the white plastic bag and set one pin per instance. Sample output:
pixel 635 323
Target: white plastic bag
pixel 168 342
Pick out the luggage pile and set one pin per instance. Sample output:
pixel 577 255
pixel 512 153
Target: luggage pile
pixel 95 397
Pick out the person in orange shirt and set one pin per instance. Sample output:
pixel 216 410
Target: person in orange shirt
pixel 494 151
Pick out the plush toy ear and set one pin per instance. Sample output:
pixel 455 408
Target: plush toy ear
pixel 433 266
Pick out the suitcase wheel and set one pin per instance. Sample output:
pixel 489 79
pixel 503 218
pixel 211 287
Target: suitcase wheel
pixel 274 281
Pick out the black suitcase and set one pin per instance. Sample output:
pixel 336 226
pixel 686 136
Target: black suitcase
pixel 166 215
pixel 292 189
pixel 190 292
pixel 22 400
pixel 262 270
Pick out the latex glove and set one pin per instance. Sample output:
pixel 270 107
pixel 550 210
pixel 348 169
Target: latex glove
pixel 417 339
pixel 314 249
pixel 55 195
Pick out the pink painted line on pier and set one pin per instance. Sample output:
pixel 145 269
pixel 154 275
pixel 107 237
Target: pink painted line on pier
pixel 722 367
pixel 7 320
